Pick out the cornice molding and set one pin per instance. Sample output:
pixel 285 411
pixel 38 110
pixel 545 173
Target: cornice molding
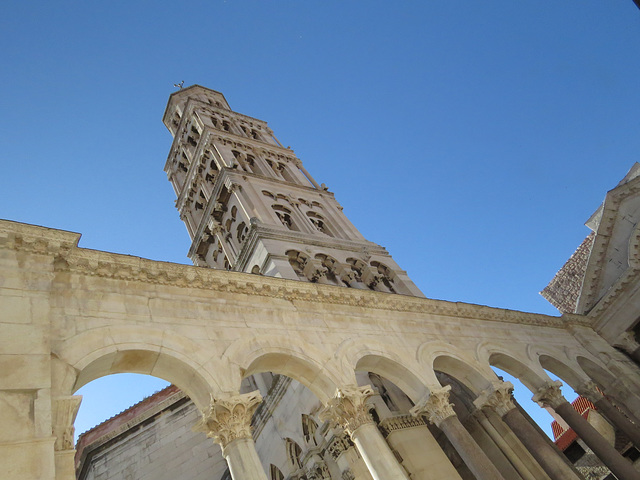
pixel 114 266
pixel 36 239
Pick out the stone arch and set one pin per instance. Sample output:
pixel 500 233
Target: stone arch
pixel 446 358
pixel 111 350
pixel 532 376
pixel 463 371
pixel 286 356
pixel 376 357
pixel 598 374
pixel 571 376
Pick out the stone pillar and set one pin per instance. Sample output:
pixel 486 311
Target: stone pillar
pixel 550 396
pixel 549 457
pixel 348 409
pixel 589 391
pixel 627 342
pixel 228 422
pixel 439 411
pixel 502 444
pixel 63 415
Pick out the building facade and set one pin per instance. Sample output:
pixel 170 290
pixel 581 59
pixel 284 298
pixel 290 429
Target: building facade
pixel 304 350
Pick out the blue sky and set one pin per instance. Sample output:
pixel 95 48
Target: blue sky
pixel 471 139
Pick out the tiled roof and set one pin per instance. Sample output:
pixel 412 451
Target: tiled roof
pixel 563 291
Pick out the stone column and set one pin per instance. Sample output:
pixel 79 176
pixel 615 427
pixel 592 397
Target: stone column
pixel 439 411
pixel 589 391
pixel 502 444
pixel 549 457
pixel 228 422
pixel 550 396
pixel 64 413
pixel 348 409
pixel 627 342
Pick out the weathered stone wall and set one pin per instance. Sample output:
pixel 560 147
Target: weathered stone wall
pixel 160 448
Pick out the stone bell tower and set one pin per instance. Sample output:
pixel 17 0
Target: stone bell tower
pixel 250 206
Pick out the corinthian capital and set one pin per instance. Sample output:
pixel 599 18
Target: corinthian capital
pixel 627 341
pixel 549 395
pixel 348 408
pixel 590 391
pixel 435 406
pixel 498 397
pixel 64 414
pixel 229 417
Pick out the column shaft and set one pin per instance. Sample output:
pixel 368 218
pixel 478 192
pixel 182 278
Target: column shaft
pixel 546 455
pixel 621 467
pixel 376 453
pixel 619 420
pixel 469 450
pixel 515 460
pixel 243 460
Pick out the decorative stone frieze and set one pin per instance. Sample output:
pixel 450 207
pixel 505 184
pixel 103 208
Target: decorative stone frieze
pixel 400 422
pixel 122 267
pixel 318 471
pixel 338 445
pixel 347 474
pixel 64 413
pixel 435 406
pixel 348 408
pixel 550 395
pixel 229 417
pixel 498 397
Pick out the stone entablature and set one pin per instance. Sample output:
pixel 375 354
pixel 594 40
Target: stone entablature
pixel 399 422
pixel 72 259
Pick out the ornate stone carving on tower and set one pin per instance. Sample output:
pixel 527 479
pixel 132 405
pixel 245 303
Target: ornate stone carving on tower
pixel 250 205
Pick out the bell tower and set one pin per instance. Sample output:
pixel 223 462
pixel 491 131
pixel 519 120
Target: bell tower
pixel 250 205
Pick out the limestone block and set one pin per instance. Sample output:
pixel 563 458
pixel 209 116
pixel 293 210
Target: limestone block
pixel 15 309
pixel 24 372
pixel 17 421
pixel 20 339
pixel 65 466
pixel 28 460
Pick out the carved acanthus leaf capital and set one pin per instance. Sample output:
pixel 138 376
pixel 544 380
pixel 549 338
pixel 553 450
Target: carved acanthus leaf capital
pixel 497 397
pixel 348 408
pixel 435 406
pixel 627 341
pixel 590 391
pixel 64 414
pixel 229 417
pixel 549 395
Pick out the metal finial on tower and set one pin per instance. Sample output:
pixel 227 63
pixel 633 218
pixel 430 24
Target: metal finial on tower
pixel 179 85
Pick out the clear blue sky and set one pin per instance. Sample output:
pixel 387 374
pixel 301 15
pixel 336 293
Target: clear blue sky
pixel 472 139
